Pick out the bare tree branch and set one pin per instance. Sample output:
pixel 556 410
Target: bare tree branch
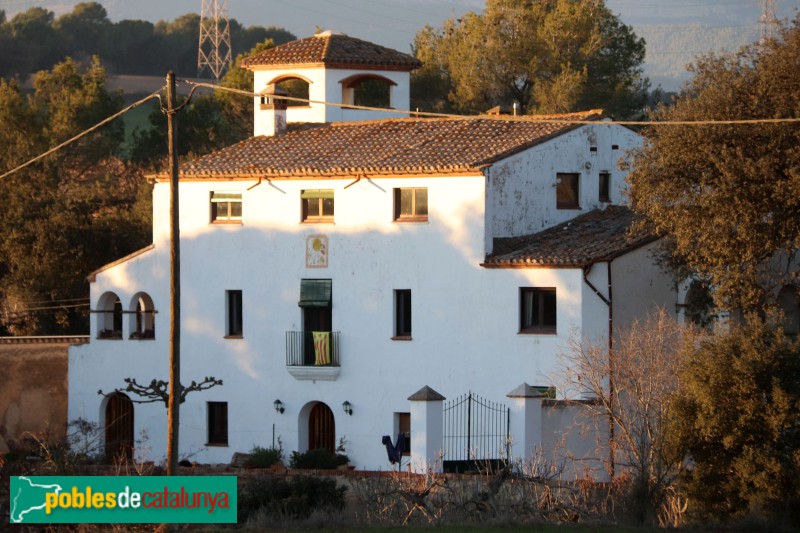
pixel 158 389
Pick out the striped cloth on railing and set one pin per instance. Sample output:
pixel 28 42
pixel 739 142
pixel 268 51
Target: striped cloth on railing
pixel 322 347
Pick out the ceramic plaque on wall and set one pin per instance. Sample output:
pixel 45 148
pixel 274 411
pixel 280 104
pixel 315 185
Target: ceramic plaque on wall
pixel 317 251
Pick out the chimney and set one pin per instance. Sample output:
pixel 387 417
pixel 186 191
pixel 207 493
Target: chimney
pixel 270 113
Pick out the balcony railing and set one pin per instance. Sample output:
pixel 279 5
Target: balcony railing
pixel 301 350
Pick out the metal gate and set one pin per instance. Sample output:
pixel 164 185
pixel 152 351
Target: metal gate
pixel 475 433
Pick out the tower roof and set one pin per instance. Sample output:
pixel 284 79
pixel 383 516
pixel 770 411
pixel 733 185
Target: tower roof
pixel 333 50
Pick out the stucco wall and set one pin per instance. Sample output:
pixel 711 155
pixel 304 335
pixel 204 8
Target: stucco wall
pixel 639 285
pixel 575 441
pixel 465 318
pixel 33 391
pixel 522 188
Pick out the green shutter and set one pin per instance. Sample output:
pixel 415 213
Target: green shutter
pixel 226 197
pixel 316 193
pixel 315 293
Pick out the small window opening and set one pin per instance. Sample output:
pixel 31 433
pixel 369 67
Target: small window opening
pixel 567 191
pixel 295 88
pixel 537 310
pixel 402 314
pixel 234 323
pixel 605 187
pixel 217 423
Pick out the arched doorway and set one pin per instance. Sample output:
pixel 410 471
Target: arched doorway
pixel 119 427
pixel 321 428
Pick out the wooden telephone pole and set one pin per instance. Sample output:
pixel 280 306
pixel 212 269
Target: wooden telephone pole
pixel 173 407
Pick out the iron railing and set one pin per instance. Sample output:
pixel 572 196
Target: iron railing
pixel 300 349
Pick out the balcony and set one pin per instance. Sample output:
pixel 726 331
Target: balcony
pixel 310 360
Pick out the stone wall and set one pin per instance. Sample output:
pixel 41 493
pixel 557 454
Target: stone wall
pixel 33 389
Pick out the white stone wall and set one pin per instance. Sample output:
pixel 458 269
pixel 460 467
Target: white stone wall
pixel 522 188
pixel 465 318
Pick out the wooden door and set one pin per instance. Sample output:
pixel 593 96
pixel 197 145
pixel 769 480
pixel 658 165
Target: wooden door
pixel 119 427
pixel 321 428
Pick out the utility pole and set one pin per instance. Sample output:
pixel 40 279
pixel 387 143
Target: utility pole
pixel 214 49
pixel 173 407
pixel 768 21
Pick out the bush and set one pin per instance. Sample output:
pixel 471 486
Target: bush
pixel 319 459
pixel 297 498
pixel 736 416
pixel 264 457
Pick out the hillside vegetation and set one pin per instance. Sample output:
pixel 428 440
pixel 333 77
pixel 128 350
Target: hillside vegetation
pixel 36 39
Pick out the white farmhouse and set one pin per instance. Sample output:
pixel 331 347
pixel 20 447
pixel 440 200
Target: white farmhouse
pixel 341 279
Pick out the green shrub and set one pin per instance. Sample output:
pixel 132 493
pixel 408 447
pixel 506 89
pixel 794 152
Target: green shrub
pixel 297 498
pixel 264 457
pixel 319 459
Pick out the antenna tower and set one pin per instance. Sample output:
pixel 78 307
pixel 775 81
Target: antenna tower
pixel 768 21
pixel 214 50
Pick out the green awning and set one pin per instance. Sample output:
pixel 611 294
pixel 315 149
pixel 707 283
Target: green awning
pixel 315 293
pixel 316 193
pixel 226 197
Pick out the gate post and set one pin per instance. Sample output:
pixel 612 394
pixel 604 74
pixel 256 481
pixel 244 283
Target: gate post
pixel 426 430
pixel 525 424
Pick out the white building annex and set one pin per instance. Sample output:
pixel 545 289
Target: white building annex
pixel 342 268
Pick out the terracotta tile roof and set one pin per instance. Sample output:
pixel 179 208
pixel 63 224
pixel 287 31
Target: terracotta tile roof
pixel 599 235
pixel 333 50
pixel 398 146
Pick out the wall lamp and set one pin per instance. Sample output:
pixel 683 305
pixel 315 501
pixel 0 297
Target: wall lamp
pixel 348 408
pixel 279 406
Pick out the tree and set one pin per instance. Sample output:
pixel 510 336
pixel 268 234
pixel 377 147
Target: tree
pixel 631 386
pixel 736 417
pixel 210 122
pixel 85 31
pixel 69 214
pixel 549 56
pixel 34 39
pixel 727 197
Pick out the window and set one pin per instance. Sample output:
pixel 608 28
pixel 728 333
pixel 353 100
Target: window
pixel 226 207
pixel 109 325
pixel 368 90
pixel 218 423
pixel 411 205
pixel 233 312
pixel 567 191
pixel 404 427
pixel 143 323
pixel 605 187
pixel 317 205
pixel 296 88
pixel 402 314
pixel 537 311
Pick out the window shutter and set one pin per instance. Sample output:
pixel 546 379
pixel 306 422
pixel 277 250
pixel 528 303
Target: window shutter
pixel 316 193
pixel 315 293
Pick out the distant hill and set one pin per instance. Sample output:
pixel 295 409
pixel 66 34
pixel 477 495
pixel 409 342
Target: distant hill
pixel 670 48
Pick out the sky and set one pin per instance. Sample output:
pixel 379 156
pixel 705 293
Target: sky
pixel 394 23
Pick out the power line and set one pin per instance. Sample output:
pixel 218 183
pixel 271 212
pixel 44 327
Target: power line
pixel 545 119
pixel 83 133
pixel 55 301
pixel 29 310
pixel 417 114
